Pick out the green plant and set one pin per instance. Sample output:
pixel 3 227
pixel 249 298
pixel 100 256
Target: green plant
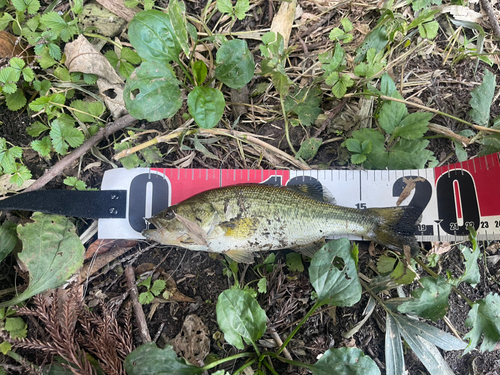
pixel 15 326
pixel 152 91
pixel 333 275
pixel 151 290
pixel 398 143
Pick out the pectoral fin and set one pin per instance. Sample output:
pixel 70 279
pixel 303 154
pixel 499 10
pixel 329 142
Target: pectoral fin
pixel 240 256
pixel 310 249
pixel 194 230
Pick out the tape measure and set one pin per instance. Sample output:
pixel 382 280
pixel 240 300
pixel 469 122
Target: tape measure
pixel 451 197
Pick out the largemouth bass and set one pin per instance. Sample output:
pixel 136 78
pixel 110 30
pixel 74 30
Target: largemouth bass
pixel 240 220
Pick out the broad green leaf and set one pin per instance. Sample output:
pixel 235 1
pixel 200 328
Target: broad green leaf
pixel 240 316
pixel 309 148
pixel 153 37
pixel 402 275
pixel 225 6
pixel 146 298
pixel 378 158
pixel 158 287
pixel 64 135
pixel 16 327
pixel 377 39
pixel 148 359
pixel 8 156
pixel 388 87
pixel 130 55
pixel 201 148
pixel 199 71
pixel 178 20
pixel 344 361
pixel 429 302
pixel 471 274
pixel 294 262
pixel 240 9
pixel 87 110
pixel 16 100
pixel 411 154
pixel 125 69
pixel 391 114
pixel 346 24
pixel 484 318
pixel 334 276
pixel 428 29
pixel 152 92
pixel 262 285
pixel 8 238
pixel 340 83
pixel 52 252
pixel 130 161
pixel 394 359
pixel 235 64
pixel 5 20
pixel 305 104
pixel 5 347
pixel 31 6
pixel 460 152
pixel 358 158
pixel 43 146
pixel 423 4
pixel 206 105
pixel 20 175
pixel 482 98
pixel 413 126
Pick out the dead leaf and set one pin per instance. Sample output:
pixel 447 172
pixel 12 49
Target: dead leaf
pixel 81 56
pixel 407 251
pixel 439 247
pixel 462 13
pixel 192 343
pixel 194 230
pixel 9 45
pixel 7 187
pixel 410 185
pixel 118 7
pixel 103 246
pixel 283 20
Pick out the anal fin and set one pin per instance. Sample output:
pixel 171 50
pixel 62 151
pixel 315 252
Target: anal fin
pixel 240 256
pixel 310 249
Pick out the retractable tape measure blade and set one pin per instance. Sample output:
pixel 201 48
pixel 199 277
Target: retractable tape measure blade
pixel 452 197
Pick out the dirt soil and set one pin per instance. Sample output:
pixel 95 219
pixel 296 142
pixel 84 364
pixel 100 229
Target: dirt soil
pixel 201 278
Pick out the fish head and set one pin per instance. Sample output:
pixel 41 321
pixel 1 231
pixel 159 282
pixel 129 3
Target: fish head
pixel 177 227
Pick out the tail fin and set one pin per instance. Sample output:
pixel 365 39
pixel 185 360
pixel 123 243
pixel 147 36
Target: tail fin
pixel 396 227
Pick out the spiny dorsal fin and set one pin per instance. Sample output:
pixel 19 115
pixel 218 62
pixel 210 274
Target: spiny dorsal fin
pixel 313 191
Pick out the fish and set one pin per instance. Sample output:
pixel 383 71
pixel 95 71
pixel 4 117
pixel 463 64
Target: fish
pixel 240 220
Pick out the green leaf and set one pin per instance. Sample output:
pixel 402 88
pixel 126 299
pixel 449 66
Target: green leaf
pixel 471 274
pixel 394 359
pixel 378 158
pixel 93 108
pixel 309 148
pixel 402 275
pixel 240 316
pixel 206 105
pixel 130 161
pixel 340 83
pixel 199 147
pixel 484 318
pixel 294 262
pixel 31 6
pixel 16 327
pixel 146 298
pixel 16 100
pixel 344 361
pixel 8 156
pixel 64 135
pixel 413 126
pixel 199 71
pixel 240 9
pixel 377 39
pixel 147 359
pixel 305 104
pixel 125 69
pixel 225 6
pixel 20 174
pixel 5 347
pixel 460 152
pixel 411 154
pixel 152 92
pixel 358 158
pixel 429 302
pixel 75 183
pixel 428 29
pixel 423 338
pixel 178 21
pixel 5 20
pixel 158 287
pixel 391 114
pixel 47 103
pixel 43 146
pixel 334 276
pixel 52 252
pixel 8 238
pixel 262 285
pixel 235 64
pixel 154 38
pixel 130 55
pixel 422 4
pixel 346 24
pixel 482 98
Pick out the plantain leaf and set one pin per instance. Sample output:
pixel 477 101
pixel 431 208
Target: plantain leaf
pixel 334 276
pixel 240 316
pixel 482 98
pixel 206 105
pixel 8 238
pixel 484 318
pixel 235 64
pixel 152 92
pixel 52 252
pixel 345 361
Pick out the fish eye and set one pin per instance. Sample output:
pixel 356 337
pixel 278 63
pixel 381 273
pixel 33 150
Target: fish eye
pixel 169 215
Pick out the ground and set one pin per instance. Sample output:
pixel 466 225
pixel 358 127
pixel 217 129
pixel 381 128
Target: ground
pixel 432 79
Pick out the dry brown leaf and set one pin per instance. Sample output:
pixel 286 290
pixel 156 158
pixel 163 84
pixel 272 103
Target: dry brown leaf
pixel 118 7
pixel 9 45
pixel 192 343
pixel 81 56
pixel 283 20
pixel 103 246
pixel 410 185
pixel 439 247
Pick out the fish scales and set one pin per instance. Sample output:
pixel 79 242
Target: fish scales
pixel 250 218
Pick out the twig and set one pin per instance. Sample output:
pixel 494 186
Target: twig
pixel 330 117
pixel 439 129
pixel 279 342
pixel 486 5
pixel 140 319
pixel 62 164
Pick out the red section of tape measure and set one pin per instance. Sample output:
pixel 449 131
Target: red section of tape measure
pixel 485 172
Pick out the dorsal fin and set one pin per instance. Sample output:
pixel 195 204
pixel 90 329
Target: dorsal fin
pixel 313 190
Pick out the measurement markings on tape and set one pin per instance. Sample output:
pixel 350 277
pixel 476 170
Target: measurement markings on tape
pixel 451 197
